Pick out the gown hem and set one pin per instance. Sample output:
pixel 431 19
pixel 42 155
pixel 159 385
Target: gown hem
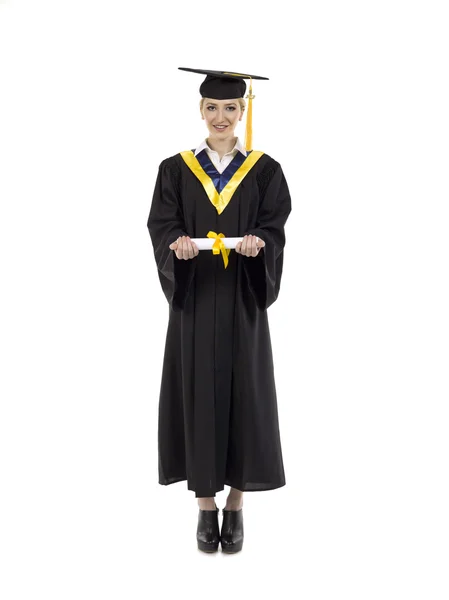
pixel 254 487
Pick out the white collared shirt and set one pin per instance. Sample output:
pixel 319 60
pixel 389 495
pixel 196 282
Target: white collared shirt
pixel 221 165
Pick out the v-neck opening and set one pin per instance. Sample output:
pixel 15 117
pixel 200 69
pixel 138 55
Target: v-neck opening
pixel 220 189
pixel 220 180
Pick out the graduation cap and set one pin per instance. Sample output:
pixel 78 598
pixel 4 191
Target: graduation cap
pixel 222 85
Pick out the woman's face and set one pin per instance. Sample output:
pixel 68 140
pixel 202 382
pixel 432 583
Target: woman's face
pixel 226 113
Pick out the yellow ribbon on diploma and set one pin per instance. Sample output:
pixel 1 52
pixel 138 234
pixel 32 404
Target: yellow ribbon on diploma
pixel 218 246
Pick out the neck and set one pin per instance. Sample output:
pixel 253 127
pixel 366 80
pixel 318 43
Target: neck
pixel 221 145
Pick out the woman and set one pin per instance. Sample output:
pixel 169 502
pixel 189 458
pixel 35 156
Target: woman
pixel 218 418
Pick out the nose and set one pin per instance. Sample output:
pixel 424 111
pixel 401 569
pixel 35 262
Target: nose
pixel 220 116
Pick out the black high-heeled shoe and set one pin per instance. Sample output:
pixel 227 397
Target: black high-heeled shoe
pixel 208 531
pixel 231 534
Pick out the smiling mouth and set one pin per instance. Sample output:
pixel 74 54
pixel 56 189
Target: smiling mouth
pixel 220 128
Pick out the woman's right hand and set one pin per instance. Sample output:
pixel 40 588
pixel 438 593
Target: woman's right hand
pixel 184 248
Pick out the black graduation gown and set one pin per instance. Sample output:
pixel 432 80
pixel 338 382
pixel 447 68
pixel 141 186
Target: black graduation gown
pixel 218 416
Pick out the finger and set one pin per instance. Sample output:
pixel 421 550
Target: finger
pixel 244 245
pixel 179 251
pixel 185 248
pixel 190 248
pixel 256 245
pixel 249 246
pixel 252 246
pixel 238 247
pixel 255 248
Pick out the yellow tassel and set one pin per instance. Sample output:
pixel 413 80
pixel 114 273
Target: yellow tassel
pixel 249 118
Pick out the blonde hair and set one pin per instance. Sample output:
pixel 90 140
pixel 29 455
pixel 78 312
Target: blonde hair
pixel 241 101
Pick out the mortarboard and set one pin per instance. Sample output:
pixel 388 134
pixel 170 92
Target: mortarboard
pixel 222 85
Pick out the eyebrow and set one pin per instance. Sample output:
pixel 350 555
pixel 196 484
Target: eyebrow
pixel 227 103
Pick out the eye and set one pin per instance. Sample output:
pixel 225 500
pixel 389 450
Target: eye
pixel 231 108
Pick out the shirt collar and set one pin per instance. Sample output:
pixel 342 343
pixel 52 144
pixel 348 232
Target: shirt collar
pixel 238 147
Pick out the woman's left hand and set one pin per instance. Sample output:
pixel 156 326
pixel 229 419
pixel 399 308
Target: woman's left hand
pixel 248 246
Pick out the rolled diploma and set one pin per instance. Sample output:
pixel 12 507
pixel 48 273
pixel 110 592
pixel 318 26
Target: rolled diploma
pixel 207 243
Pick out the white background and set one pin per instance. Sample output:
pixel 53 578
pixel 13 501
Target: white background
pixel 356 111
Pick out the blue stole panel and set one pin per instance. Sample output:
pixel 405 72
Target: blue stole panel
pixel 220 179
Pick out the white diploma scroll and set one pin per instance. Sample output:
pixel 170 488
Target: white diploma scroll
pixel 207 243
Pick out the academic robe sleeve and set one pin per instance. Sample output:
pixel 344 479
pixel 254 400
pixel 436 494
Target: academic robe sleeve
pixel 165 225
pixel 264 271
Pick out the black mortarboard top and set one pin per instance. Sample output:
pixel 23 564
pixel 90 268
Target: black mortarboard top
pixel 222 85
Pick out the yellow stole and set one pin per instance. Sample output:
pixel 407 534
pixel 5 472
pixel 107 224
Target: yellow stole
pixel 220 201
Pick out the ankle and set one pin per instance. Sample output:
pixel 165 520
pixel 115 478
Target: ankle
pixel 234 501
pixel 207 503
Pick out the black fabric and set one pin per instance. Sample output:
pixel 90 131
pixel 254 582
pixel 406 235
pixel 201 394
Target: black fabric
pixel 222 85
pixel 218 416
pixel 221 88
